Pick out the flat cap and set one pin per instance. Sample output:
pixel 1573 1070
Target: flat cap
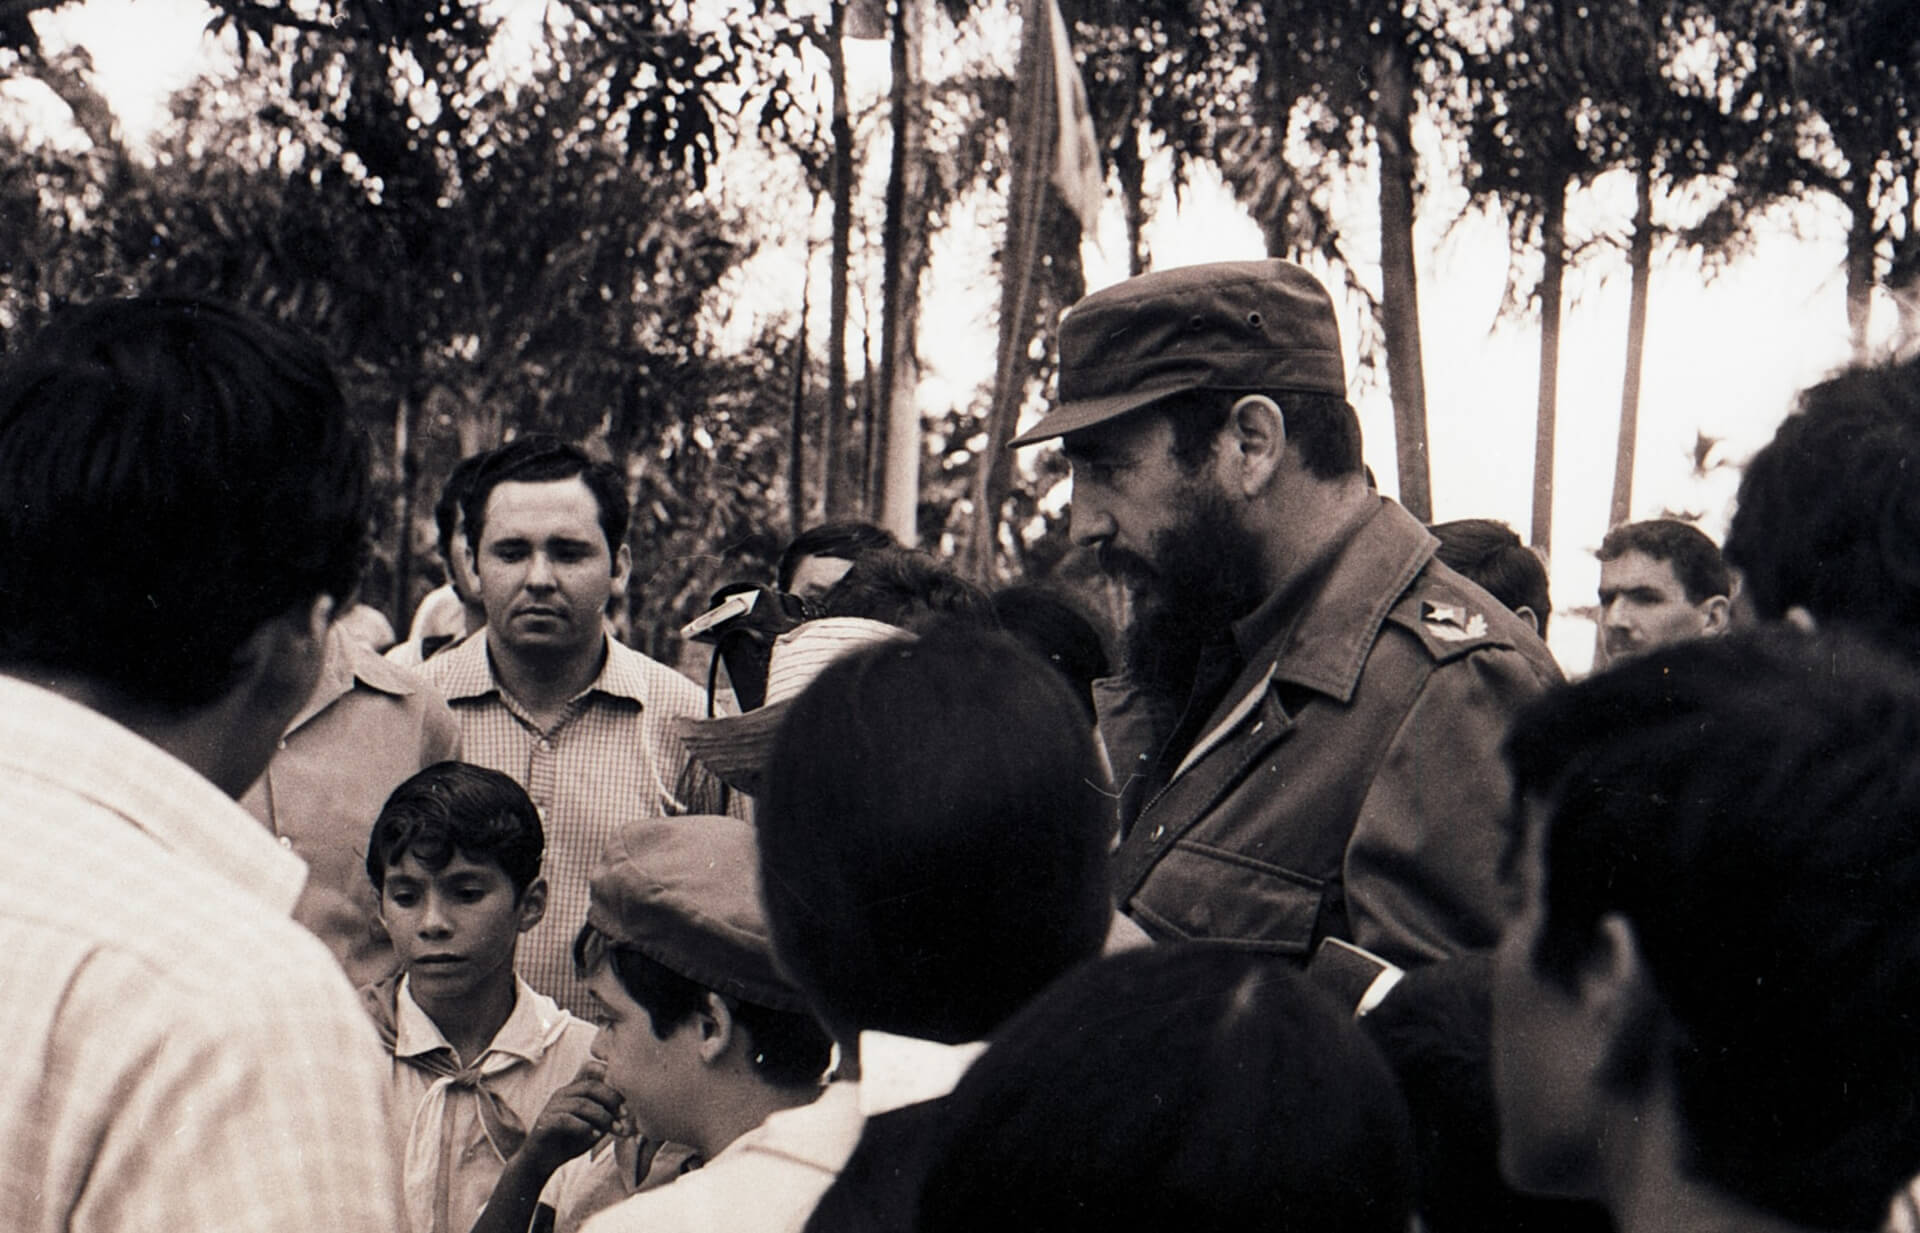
pixel 1252 326
pixel 685 892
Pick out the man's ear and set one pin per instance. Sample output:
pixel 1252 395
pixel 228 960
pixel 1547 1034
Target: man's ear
pixel 285 653
pixel 533 905
pixel 1717 613
pixel 1527 614
pixel 1617 994
pixel 717 1028
pixel 1256 440
pixel 622 568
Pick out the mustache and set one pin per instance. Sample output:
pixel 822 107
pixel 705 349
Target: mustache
pixel 1125 566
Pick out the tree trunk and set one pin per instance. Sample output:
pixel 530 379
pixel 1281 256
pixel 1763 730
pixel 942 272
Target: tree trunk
pixel 1132 173
pixel 1553 247
pixel 406 472
pixel 1399 291
pixel 904 244
pixel 1860 252
pixel 797 418
pixel 833 429
pixel 1640 259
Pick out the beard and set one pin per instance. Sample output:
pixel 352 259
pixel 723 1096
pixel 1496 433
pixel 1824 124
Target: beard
pixel 1203 576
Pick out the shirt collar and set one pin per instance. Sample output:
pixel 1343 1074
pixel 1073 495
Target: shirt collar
pixel 896 1071
pixel 349 663
pixel 465 671
pixel 1325 621
pixel 49 737
pixel 526 1034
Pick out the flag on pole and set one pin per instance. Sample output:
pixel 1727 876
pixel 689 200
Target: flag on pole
pixel 1076 157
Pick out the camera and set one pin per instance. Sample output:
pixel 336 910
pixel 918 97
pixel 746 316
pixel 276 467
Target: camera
pixel 741 623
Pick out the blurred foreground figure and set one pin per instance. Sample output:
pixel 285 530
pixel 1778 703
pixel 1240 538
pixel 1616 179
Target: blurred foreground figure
pixel 1307 737
pixel 182 510
pixel 1702 1005
pixel 1179 1087
pixel 933 853
pixel 1827 531
pixel 1660 581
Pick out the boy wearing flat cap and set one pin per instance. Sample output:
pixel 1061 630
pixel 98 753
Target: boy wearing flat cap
pixel 1307 735
pixel 701 1038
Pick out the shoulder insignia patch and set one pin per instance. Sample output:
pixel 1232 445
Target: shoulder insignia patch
pixel 1451 622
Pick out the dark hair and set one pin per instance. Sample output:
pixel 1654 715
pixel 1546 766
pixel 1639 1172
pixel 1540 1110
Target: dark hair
pixel 1435 1030
pixel 908 588
pixel 1751 807
pixel 1695 559
pixel 789 1047
pixel 446 511
pixel 176 475
pixel 537 458
pixel 456 807
pixel 1324 426
pixel 1177 1087
pixel 1829 511
pixel 933 836
pixel 843 541
pixel 1058 631
pixel 1490 555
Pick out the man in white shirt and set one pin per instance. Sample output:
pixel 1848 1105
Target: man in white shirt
pixel 185 512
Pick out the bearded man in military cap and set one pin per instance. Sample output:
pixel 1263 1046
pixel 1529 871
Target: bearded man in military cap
pixel 1307 736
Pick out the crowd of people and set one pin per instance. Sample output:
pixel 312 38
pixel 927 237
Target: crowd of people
pixel 1314 897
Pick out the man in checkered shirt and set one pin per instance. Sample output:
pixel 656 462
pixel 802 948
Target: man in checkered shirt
pixel 546 695
pixel 184 511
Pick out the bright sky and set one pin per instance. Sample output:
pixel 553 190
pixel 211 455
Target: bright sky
pixel 1724 357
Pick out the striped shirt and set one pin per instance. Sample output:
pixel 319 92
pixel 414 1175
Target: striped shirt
pixel 179 1054
pixel 611 757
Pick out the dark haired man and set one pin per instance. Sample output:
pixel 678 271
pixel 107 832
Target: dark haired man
pixel 545 694
pixel 1489 553
pixel 1827 530
pixel 1660 581
pixel 1700 1002
pixel 820 556
pixel 1307 740
pixel 452 611
pixel 185 511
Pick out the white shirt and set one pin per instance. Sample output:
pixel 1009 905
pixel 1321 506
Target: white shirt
pixel 179 1054
pixel 770 1179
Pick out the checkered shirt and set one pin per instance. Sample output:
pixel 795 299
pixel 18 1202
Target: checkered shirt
pixel 180 1054
pixel 612 757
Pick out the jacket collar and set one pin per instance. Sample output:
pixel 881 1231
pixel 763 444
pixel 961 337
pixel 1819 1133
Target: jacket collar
pixel 1320 629
pixel 349 663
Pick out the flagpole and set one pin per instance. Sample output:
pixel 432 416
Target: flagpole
pixel 1031 130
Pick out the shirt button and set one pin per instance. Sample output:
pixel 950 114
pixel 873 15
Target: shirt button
pixel 1158 831
pixel 546 744
pixel 286 843
pixel 282 743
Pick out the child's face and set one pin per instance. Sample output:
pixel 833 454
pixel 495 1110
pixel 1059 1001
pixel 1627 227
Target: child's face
pixel 657 1078
pixel 454 928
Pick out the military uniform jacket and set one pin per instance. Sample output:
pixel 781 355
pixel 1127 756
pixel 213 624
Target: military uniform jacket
pixel 1350 783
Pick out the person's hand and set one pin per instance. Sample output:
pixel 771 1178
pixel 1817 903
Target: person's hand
pixel 574 1119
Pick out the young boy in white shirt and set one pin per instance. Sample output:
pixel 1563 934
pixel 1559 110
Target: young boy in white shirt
pixel 455 858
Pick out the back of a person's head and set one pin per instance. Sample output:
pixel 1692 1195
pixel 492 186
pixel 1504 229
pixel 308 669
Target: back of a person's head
pixel 1489 554
pixel 907 588
pixel 457 809
pixel 1055 628
pixel 176 474
pixel 1435 1030
pixel 843 541
pixel 446 510
pixel 1178 1087
pixel 538 458
pixel 1828 518
pixel 933 836
pixel 1750 808
pixel 1695 559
